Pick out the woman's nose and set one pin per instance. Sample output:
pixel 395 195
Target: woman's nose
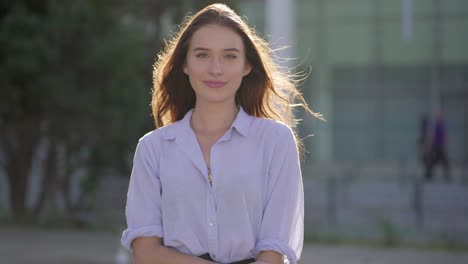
pixel 216 66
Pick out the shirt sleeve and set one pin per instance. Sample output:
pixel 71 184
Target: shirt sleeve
pixel 143 209
pixel 282 227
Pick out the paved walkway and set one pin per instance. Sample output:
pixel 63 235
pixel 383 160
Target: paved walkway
pixel 25 246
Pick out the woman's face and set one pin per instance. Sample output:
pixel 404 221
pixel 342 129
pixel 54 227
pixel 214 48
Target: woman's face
pixel 216 64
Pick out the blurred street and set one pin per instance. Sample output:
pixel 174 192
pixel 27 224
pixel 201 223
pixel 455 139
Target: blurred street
pixel 25 246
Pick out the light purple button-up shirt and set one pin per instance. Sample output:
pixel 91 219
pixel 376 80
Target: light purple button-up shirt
pixel 255 203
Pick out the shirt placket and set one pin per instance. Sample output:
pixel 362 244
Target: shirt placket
pixel 211 208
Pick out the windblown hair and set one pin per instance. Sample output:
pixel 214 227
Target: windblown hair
pixel 266 91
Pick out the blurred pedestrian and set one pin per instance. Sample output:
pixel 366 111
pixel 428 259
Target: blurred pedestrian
pixel 219 179
pixel 424 144
pixel 438 147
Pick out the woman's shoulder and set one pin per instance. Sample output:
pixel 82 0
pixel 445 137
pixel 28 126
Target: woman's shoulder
pixel 158 134
pixel 270 127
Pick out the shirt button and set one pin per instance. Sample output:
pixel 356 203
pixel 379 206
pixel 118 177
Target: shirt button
pixel 211 224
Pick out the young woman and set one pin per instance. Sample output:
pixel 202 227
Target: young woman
pixel 219 180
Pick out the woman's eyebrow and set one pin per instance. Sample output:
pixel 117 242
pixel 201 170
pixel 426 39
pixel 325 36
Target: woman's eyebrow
pixel 200 49
pixel 232 49
pixel 206 49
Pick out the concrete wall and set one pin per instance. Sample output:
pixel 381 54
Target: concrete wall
pixel 368 209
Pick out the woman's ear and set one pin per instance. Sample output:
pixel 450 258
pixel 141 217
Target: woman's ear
pixel 247 69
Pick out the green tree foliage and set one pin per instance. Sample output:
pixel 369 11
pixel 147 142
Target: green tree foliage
pixel 77 74
pixel 75 77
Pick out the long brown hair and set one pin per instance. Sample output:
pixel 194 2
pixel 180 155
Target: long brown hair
pixel 266 91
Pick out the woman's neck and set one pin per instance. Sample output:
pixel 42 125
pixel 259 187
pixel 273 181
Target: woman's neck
pixel 213 119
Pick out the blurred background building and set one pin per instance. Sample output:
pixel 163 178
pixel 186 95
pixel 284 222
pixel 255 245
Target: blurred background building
pixel 376 66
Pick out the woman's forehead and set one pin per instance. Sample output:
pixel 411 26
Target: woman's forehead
pixel 216 37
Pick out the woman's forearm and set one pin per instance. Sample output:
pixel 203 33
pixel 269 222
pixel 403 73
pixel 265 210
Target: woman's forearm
pixel 148 252
pixel 269 257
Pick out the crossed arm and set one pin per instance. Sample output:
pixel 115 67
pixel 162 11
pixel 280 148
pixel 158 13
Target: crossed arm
pixel 149 250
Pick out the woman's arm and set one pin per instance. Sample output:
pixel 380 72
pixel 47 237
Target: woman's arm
pixel 149 250
pixel 282 226
pixel 269 257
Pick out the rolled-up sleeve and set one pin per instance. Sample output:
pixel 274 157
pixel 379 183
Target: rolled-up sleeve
pixel 282 226
pixel 143 209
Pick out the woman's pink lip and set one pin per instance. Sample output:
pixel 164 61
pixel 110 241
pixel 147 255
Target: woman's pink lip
pixel 214 84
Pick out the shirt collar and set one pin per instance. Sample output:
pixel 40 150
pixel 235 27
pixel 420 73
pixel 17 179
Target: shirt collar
pixel 241 123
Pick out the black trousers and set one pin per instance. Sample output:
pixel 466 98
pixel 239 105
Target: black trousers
pixel 245 261
pixel 436 156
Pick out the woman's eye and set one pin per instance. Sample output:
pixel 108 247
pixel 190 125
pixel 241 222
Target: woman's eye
pixel 201 55
pixel 230 57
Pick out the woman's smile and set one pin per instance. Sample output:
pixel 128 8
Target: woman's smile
pixel 214 84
